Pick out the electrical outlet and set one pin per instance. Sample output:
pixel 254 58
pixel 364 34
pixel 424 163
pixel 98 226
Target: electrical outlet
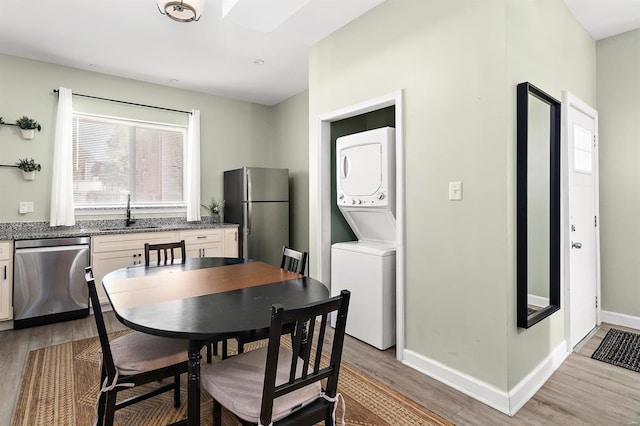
pixel 26 207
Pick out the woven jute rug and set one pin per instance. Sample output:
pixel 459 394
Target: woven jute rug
pixel 60 386
pixel 620 348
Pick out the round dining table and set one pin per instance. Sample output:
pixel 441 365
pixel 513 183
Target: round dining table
pixel 203 299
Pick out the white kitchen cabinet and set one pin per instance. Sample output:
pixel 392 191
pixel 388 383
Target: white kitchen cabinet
pixel 203 242
pixel 6 280
pixel 231 242
pixel 111 252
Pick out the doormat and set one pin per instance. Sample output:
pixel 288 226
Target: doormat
pixel 620 348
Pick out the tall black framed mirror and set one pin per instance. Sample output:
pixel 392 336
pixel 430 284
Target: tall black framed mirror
pixel 538 205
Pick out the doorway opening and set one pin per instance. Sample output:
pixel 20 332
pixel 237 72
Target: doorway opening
pixel 357 117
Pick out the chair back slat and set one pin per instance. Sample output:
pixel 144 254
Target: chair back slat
pixel 107 358
pixel 306 346
pixel 296 345
pixel 163 251
pixel 318 354
pixel 304 338
pixel 293 260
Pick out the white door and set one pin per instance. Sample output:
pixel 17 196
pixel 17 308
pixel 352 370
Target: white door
pixel 583 232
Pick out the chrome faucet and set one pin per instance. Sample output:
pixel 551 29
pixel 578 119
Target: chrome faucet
pixel 129 221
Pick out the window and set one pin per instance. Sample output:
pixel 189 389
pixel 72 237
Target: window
pixel 582 150
pixel 115 157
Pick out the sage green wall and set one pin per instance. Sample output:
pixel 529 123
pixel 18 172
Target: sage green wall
pixel 546 46
pixel 233 133
pixel 458 63
pixel 291 151
pixel 618 78
pixel 448 57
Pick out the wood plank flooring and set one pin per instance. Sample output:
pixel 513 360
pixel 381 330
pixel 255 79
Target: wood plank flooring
pixel 582 391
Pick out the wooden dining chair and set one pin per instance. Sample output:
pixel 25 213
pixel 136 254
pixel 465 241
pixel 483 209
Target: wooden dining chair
pixel 162 252
pixel 292 260
pixel 132 360
pixel 248 384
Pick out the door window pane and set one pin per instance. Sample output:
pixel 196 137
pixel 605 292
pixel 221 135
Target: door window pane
pixel 582 150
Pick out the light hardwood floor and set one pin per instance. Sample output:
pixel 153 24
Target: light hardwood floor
pixel 581 392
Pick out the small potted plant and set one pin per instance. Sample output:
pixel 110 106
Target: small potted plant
pixel 29 168
pixel 28 126
pixel 216 209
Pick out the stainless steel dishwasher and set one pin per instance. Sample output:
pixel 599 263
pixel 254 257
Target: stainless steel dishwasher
pixel 48 280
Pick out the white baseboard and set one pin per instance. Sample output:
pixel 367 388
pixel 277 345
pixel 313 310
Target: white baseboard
pixel 624 320
pixel 477 389
pixel 528 386
pixel 506 402
pixel 537 300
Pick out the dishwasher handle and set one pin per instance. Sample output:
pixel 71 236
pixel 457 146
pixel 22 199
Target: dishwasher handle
pixel 52 242
pixel 52 249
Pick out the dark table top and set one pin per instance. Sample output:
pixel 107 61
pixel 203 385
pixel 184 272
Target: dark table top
pixel 205 297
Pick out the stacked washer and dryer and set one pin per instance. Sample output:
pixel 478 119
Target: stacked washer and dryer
pixel 366 181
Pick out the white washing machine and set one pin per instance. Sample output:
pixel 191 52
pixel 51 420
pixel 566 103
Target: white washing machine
pixel 368 271
pixel 365 168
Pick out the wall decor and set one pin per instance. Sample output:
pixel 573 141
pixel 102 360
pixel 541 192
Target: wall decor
pixel 538 205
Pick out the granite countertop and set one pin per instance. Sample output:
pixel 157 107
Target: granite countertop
pixel 83 228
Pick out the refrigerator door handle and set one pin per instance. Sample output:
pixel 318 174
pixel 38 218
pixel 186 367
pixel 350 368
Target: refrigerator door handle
pixel 246 218
pixel 248 186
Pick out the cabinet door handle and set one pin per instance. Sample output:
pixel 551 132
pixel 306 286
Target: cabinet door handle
pixel 201 237
pixel 5 272
pixel 236 235
pixel 203 252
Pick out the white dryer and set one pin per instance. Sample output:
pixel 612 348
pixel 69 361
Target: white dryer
pixel 365 168
pixel 366 183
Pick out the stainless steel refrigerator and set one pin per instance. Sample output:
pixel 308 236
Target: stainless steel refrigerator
pixel 258 200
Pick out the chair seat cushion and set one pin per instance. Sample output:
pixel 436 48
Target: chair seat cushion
pixel 137 352
pixel 237 383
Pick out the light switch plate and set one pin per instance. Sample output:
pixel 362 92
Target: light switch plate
pixel 455 191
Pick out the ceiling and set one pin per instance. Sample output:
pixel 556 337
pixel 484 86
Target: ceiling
pixel 131 38
pixel 606 18
pixel 216 55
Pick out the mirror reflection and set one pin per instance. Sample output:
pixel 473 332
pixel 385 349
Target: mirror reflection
pixel 538 205
pixel 538 181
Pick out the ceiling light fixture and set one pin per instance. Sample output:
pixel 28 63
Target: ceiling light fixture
pixel 181 10
pixel 258 61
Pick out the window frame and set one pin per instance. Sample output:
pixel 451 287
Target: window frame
pixel 99 209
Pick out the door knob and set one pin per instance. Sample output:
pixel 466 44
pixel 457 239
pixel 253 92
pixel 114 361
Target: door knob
pixel 576 245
